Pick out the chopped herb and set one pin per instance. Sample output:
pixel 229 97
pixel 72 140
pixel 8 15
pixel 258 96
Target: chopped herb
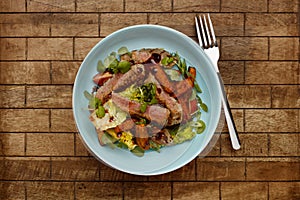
pixel 122 145
pixel 108 139
pixel 100 66
pixel 100 112
pixel 197 87
pixel 143 107
pixel 141 121
pixel 138 151
pixel 124 66
pixel 201 128
pixel 204 107
pixel 88 95
pixel 94 103
pixel 109 59
pixel 155 146
pixel 123 50
pixel 113 54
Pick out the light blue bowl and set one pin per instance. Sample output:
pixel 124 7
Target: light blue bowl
pixel 170 158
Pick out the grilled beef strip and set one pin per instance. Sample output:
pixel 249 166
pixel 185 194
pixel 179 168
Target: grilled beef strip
pixel 135 75
pixel 154 113
pixel 127 125
pixel 170 102
pixel 162 77
pixel 104 91
pixel 183 88
pixel 101 78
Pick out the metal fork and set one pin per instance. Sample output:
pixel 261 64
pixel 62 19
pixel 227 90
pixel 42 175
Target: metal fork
pixel 208 42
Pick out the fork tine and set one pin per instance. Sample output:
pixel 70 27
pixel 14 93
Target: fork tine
pixel 209 42
pixel 198 32
pixel 212 31
pixel 203 33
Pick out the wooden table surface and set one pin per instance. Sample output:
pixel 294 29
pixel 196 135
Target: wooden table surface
pixel 42 44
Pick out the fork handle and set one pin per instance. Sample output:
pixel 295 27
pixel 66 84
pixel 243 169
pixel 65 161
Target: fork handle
pixel 235 142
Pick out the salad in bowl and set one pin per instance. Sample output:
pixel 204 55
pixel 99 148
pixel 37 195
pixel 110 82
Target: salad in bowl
pixel 144 100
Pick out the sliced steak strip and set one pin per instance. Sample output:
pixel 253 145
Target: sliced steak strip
pixel 126 125
pixel 104 91
pixel 135 75
pixel 154 113
pixel 170 102
pixel 162 78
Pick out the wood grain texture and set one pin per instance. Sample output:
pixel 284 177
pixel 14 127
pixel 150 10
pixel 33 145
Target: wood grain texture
pixel 99 190
pixel 284 6
pixel 244 48
pixel 24 73
pixel 69 168
pixel 50 6
pixel 104 6
pixel 12 144
pixel 253 144
pixel 148 6
pixel 196 190
pixel 272 24
pixel 244 6
pixel 221 169
pixel 24 120
pixel 25 168
pixel 181 22
pixel 232 72
pixel 42 45
pixel 11 96
pixel 244 190
pixel 49 97
pixel 110 22
pixel 62 121
pixel 49 144
pixel 50 49
pixel 64 72
pixel 12 48
pixel 13 6
pixel 50 190
pixel 268 72
pixel 83 46
pixel 74 25
pixel 196 6
pixel 271 120
pixel 23 25
pixel 277 147
pixel 249 96
pixel 12 190
pixel 151 190
pixel 286 96
pixel 284 190
pixel 280 169
pixel 284 48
